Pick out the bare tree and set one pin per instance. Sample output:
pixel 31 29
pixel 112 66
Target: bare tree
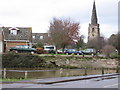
pixel 63 32
pixel 115 41
pixel 97 43
pixel 108 49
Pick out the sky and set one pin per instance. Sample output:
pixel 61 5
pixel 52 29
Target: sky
pixel 39 13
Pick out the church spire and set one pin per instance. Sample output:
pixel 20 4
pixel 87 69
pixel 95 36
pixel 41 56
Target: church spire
pixel 94 15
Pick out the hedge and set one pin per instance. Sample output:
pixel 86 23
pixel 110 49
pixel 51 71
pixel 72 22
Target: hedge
pixel 10 60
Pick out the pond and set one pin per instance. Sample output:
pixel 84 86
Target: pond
pixel 49 73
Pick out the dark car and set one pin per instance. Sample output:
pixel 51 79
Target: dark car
pixel 72 51
pixel 23 48
pixel 89 51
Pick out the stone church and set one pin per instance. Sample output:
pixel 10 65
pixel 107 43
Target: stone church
pixel 93 29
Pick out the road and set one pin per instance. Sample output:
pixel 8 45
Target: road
pixel 111 82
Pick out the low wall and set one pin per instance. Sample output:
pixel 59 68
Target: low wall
pixel 89 62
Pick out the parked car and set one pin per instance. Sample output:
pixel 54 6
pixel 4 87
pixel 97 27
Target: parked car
pixel 60 51
pixel 72 51
pixel 23 48
pixel 89 51
pixel 40 50
pixel 49 48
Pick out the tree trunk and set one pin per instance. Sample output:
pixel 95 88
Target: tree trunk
pixel 63 48
pixel 56 50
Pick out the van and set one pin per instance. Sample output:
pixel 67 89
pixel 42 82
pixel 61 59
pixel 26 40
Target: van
pixel 50 48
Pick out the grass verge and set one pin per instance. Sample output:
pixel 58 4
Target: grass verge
pixel 11 80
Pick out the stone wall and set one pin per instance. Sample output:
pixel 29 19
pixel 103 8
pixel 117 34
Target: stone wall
pixel 95 63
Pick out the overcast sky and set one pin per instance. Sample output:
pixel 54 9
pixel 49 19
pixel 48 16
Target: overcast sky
pixel 38 14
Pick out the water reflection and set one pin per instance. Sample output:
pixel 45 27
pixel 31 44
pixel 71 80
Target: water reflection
pixel 35 74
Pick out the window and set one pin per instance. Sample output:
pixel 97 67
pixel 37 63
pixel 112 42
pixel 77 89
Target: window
pixel 26 47
pixel 93 29
pixel 49 48
pixel 41 37
pixel 33 37
pixel 13 32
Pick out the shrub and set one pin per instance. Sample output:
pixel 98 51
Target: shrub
pixel 115 55
pixel 108 49
pixel 21 60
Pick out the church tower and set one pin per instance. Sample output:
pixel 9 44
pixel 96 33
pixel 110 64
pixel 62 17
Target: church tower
pixel 93 29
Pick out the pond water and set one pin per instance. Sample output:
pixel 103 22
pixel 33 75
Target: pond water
pixel 48 73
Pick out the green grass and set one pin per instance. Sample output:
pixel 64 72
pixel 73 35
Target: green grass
pixel 11 79
pixel 50 54
pixel 61 55
pixel 115 55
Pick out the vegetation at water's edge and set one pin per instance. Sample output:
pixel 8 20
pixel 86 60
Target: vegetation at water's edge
pixel 22 60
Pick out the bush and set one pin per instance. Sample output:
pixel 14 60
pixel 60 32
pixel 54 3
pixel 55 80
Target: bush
pixel 115 55
pixel 108 49
pixel 38 45
pixel 10 60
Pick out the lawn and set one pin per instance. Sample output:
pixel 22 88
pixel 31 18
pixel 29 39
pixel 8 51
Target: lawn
pixel 63 55
pixel 11 79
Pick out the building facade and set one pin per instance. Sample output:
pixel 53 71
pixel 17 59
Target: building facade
pixel 93 29
pixel 16 36
pixel 40 37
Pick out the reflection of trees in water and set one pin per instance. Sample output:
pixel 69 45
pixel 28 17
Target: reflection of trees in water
pixel 73 72
pixel 15 74
pixel 106 71
pixel 59 73
pixel 44 74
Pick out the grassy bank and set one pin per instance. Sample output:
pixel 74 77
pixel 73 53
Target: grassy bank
pixel 23 60
pixel 11 79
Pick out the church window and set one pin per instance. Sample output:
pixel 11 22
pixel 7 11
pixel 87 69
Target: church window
pixel 93 30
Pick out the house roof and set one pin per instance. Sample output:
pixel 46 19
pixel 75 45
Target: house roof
pixel 39 34
pixel 23 33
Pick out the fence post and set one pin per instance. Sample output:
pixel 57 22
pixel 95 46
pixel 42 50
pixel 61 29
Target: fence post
pixel 82 54
pixel 85 71
pixel 4 72
pixel 26 74
pixel 117 69
pixel 102 70
pixel 67 54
